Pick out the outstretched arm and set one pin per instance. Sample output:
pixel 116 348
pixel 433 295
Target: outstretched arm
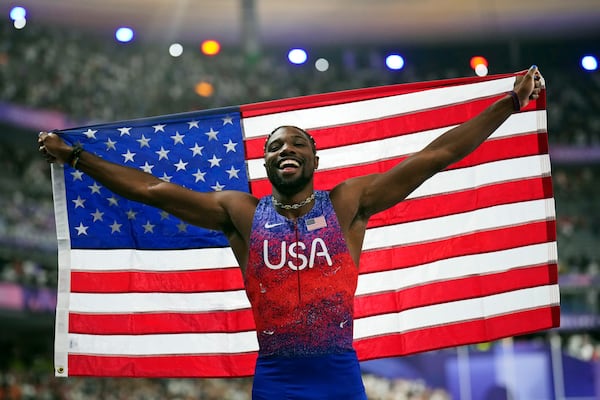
pixel 383 191
pixel 224 211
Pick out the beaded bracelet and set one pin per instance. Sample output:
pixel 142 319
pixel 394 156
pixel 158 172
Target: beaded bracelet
pixel 75 154
pixel 515 99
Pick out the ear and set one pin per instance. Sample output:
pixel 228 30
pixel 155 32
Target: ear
pixel 316 162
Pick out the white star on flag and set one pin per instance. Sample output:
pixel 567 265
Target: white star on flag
pixel 124 131
pixel 90 133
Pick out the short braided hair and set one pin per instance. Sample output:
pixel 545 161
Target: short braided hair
pixel 310 138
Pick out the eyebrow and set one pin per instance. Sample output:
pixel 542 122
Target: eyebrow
pixel 294 137
pixel 301 136
pixel 298 132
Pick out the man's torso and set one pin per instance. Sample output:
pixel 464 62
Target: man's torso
pixel 301 281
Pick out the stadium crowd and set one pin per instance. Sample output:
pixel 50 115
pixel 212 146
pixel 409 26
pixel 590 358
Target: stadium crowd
pixel 92 80
pixel 37 386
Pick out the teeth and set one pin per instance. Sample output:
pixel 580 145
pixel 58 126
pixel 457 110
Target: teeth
pixel 289 163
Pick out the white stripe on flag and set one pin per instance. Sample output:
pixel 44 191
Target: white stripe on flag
pixel 181 343
pixel 457 267
pixel 158 302
pixel 453 225
pixel 152 260
pixel 457 311
pixel 484 174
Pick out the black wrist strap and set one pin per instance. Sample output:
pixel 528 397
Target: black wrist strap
pixel 515 99
pixel 74 156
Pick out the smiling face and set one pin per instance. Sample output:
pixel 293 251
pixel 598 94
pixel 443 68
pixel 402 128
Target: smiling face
pixel 290 160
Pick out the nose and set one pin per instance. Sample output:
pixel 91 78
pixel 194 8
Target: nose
pixel 287 148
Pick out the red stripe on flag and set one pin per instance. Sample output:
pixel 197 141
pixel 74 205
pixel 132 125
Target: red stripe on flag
pixel 167 322
pixel 156 281
pixel 505 148
pixel 473 243
pixel 477 331
pixel 459 202
pixel 173 366
pixel 455 289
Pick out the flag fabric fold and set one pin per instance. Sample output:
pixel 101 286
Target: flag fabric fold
pixel 470 256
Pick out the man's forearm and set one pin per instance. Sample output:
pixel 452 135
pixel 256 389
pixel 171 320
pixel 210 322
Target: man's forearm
pixel 126 181
pixel 463 139
pixel 472 133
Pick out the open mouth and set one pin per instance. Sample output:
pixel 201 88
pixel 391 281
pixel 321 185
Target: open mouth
pixel 288 165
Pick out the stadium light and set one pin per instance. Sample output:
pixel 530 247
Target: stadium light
pixel 20 23
pixel 479 64
pixel 204 89
pixel 297 56
pixel 175 50
pixel 17 13
pixel 589 63
pixel 321 65
pixel 210 47
pixel 478 60
pixel 394 62
pixel 124 34
pixel 481 70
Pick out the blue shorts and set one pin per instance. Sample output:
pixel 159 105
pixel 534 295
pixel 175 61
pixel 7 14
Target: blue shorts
pixel 331 376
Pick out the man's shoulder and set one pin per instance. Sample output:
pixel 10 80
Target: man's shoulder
pixel 235 195
pixel 350 187
pixel 240 206
pixel 233 200
pixel 346 198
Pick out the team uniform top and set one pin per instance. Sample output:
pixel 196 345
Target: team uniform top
pixel 301 281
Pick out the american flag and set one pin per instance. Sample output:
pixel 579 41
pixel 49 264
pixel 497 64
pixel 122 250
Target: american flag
pixel 469 257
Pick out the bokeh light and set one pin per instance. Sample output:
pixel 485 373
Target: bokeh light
pixel 297 56
pixel 210 47
pixel 124 34
pixel 481 70
pixel 322 65
pixel 589 63
pixel 478 60
pixel 394 62
pixel 175 50
pixel 20 23
pixel 17 13
pixel 204 89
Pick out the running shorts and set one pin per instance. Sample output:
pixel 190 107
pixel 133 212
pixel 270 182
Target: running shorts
pixel 322 377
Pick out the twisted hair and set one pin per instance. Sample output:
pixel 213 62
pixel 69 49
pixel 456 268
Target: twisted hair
pixel 310 138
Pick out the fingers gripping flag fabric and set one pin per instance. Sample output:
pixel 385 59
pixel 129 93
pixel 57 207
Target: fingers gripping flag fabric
pixel 470 256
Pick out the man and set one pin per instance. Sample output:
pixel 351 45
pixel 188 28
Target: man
pixel 299 249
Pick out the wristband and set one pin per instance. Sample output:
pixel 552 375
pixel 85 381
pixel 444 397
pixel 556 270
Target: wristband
pixel 515 100
pixel 74 156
